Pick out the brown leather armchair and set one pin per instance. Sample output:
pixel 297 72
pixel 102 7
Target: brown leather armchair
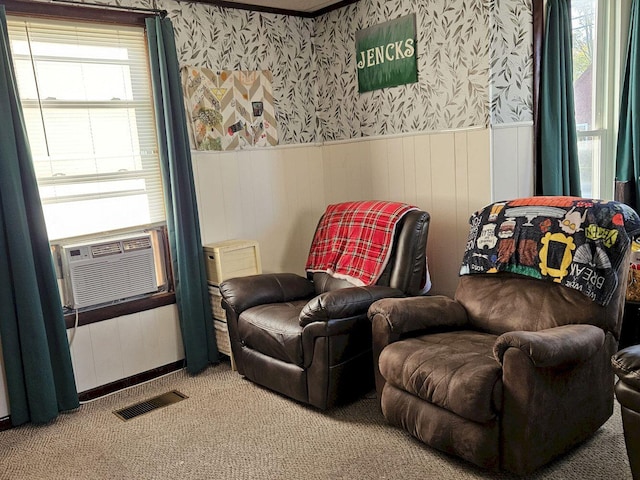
pixel 626 365
pixel 310 338
pixel 511 372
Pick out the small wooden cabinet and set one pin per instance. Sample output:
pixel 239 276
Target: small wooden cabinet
pixel 231 258
pixel 224 260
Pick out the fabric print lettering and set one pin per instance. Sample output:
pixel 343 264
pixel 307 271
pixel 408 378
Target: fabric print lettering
pixel 474 221
pixel 589 269
pixel 487 239
pixel 608 236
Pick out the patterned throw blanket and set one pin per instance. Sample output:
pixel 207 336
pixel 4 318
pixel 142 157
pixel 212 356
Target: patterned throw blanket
pixel 573 241
pixel 353 240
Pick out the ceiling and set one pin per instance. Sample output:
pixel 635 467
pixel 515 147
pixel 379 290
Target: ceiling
pixel 306 8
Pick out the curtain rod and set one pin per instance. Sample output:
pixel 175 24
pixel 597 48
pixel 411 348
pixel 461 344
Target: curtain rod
pixel 161 13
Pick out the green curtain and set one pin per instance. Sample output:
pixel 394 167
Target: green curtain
pixel 559 165
pixel 192 295
pixel 628 148
pixel 37 361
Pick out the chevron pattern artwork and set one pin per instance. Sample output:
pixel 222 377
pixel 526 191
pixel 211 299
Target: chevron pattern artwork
pixel 229 110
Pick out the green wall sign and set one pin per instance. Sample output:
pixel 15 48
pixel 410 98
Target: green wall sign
pixel 386 54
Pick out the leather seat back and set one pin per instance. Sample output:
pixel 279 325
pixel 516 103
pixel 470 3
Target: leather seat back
pixel 405 269
pixel 502 302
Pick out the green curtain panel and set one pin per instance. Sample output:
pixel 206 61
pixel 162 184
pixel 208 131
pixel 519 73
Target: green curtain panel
pixel 559 165
pixel 628 148
pixel 37 360
pixel 192 295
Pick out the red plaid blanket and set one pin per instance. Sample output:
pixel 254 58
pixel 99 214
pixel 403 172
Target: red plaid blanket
pixel 353 240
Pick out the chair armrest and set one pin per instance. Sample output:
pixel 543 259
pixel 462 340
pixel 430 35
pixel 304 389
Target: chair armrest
pixel 413 314
pixel 626 365
pixel 394 318
pixel 554 347
pixel 243 293
pixel 344 303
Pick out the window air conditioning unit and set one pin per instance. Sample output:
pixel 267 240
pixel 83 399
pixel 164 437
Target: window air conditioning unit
pixel 108 270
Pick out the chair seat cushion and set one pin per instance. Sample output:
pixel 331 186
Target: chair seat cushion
pixel 274 330
pixel 453 370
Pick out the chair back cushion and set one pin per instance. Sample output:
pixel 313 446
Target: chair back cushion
pixel 323 282
pixel 407 267
pixel 354 240
pixel 502 302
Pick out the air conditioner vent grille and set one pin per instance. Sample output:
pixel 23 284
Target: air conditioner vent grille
pixel 99 282
pixel 136 244
pixel 109 271
pixel 105 249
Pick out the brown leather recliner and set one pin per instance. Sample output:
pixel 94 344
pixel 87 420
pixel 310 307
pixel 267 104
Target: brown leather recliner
pixel 509 374
pixel 310 338
pixel 626 364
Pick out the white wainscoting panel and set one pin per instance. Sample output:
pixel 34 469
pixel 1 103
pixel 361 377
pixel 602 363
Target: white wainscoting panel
pixel 512 148
pixel 84 368
pixel 272 195
pixel 277 195
pixel 445 173
pixel 118 348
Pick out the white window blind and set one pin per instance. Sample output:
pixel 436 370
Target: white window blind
pixel 86 97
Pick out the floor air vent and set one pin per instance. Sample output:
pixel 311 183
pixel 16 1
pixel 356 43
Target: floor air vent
pixel 147 406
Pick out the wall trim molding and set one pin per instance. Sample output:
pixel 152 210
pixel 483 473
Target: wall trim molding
pixel 274 10
pixel 406 134
pixel 113 387
pixel 497 126
pixel 132 381
pixel 196 153
pixel 285 146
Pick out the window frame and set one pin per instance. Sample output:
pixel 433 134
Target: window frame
pixel 93 178
pixel 85 316
pixel 607 77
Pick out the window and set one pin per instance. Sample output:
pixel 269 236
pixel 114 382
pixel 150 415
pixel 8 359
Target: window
pixel 88 110
pixel 599 46
pixel 86 97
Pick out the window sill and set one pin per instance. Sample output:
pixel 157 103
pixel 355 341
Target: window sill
pixel 125 308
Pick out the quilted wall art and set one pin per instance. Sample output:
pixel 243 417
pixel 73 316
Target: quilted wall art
pixel 229 110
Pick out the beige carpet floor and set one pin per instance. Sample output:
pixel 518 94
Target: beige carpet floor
pixel 229 428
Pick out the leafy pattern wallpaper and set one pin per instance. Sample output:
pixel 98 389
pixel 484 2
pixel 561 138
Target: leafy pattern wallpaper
pixel 474 64
pixel 453 42
pixel 231 39
pixel 512 62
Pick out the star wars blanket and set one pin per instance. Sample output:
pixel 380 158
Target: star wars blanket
pixel 574 241
pixel 353 240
